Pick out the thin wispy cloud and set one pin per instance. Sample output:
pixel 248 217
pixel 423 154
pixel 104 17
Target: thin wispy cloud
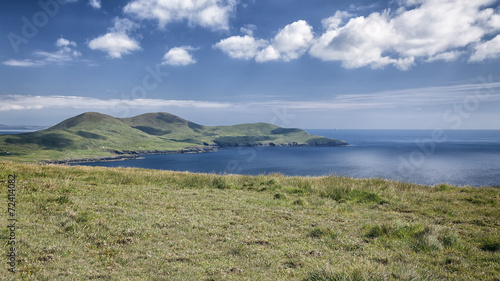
pixel 20 102
pixel 66 53
pixel 409 97
pixel 96 4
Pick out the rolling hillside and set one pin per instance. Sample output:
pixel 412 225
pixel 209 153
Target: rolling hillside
pixel 93 135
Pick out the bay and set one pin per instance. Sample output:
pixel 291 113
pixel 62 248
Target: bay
pixel 458 157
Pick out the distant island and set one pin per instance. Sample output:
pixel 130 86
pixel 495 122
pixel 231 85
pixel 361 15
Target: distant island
pixel 20 128
pixel 94 136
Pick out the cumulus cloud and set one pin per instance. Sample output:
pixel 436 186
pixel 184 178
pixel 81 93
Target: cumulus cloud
pixel 241 47
pixel 96 4
pixel 116 44
pixel 64 43
pixel 66 53
pixel 418 31
pixel 179 56
pixel 117 41
pixel 290 43
pixel 486 50
pixel 212 14
pixel 426 30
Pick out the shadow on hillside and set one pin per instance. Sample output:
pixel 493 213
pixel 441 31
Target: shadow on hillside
pixel 47 141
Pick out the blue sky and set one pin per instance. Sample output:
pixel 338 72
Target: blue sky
pixel 399 64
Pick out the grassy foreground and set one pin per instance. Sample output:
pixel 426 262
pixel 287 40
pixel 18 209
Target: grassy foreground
pixel 84 223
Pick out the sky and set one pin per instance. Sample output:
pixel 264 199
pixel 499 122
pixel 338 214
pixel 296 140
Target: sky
pixel 322 64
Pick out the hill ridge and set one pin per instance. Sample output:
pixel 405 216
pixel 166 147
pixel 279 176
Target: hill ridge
pixel 84 117
pixel 94 135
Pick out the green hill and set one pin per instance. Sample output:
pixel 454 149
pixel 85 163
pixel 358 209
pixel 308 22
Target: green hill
pixel 95 135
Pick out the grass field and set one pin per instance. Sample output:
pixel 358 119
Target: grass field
pixel 90 223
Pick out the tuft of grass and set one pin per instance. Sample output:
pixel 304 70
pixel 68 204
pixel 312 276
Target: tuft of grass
pixel 352 275
pixel 220 183
pixel 279 196
pixel 346 193
pixel 299 202
pixel 445 187
pixel 379 231
pixel 450 239
pixel 364 196
pixel 320 232
pixel 426 241
pixel 490 243
pixel 420 237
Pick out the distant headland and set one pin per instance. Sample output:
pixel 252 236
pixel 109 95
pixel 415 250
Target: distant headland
pixel 94 136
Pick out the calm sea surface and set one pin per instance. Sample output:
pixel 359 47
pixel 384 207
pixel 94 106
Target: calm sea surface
pixel 461 157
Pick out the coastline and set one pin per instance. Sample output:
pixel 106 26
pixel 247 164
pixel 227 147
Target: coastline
pixel 122 155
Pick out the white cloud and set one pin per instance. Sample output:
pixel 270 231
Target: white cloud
pixel 446 56
pixel 248 29
pixel 22 63
pixel 65 54
pixel 123 25
pixel 486 50
pixel 61 42
pixel 426 30
pixel 447 95
pixel 336 20
pixel 96 4
pixel 212 14
pixel 21 102
pixel 241 47
pixel 117 42
pixel 179 56
pixel 267 54
pixel 290 43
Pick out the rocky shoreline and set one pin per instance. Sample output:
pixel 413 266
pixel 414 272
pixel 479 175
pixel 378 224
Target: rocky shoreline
pixel 136 154
pixel 133 154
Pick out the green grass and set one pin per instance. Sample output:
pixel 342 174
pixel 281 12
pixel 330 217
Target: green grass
pixel 94 135
pixel 81 223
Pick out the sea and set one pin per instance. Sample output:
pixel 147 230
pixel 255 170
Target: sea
pixel 428 157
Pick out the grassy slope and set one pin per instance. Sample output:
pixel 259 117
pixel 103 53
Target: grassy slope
pixel 91 135
pixel 80 223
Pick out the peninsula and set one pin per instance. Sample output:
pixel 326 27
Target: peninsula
pixel 95 136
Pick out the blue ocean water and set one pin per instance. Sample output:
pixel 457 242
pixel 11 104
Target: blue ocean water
pixel 458 157
pixel 465 157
